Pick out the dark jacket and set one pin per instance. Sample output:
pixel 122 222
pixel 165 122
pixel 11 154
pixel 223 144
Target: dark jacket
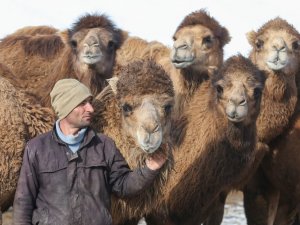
pixel 59 187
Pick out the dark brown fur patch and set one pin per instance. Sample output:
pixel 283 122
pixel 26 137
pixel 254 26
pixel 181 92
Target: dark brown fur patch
pixel 89 21
pixel 239 63
pixel 46 45
pixel 279 24
pixel 201 17
pixel 144 77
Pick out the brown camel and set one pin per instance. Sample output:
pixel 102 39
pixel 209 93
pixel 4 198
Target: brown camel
pixel 218 147
pixel 136 113
pixel 198 48
pixel 85 52
pixel 276 51
pixel 21 120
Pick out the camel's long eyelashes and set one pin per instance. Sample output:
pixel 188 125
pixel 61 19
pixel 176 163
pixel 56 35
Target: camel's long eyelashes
pixel 207 40
pixel 257 93
pixel 219 89
pixel 73 44
pixel 168 108
pixel 295 45
pixel 259 44
pixel 127 109
pixel 111 45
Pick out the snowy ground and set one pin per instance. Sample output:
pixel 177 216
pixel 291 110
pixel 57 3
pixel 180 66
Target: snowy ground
pixel 234 212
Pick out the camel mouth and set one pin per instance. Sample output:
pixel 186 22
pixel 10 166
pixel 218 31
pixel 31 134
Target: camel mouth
pixel 150 149
pixel 91 59
pixel 277 65
pixel 182 64
pixel 235 119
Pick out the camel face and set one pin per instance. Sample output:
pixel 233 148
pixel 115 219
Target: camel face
pixel 147 119
pixel 239 93
pixel 276 49
pixel 95 48
pixel 197 47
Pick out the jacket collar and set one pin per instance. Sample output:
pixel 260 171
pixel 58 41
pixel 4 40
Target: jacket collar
pixel 89 135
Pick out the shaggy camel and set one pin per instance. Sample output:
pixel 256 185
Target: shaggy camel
pixel 198 48
pixel 276 51
pixel 21 120
pixel 136 113
pixel 40 60
pixel 218 147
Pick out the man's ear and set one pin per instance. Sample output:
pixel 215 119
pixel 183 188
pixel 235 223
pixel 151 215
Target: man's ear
pixel 112 82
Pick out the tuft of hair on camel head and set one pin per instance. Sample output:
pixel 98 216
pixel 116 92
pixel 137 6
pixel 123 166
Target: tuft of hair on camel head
pixel 96 20
pixel 279 24
pixel 202 17
pixel 237 66
pixel 144 77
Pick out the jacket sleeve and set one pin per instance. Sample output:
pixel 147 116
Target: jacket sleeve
pixel 125 182
pixel 24 202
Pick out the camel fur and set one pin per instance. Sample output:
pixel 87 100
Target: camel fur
pixel 277 124
pixel 190 61
pixel 123 112
pixel 217 151
pixel 21 120
pixel 86 51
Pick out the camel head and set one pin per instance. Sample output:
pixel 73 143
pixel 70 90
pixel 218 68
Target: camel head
pixel 94 40
pixel 238 87
pixel 145 97
pixel 276 47
pixel 198 42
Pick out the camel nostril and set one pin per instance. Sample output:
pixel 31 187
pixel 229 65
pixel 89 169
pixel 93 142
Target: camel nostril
pixel 243 102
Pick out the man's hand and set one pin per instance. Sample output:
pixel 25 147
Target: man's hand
pixel 156 161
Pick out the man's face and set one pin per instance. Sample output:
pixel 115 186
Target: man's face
pixel 81 116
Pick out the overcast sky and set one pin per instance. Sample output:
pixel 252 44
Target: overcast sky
pixel 151 19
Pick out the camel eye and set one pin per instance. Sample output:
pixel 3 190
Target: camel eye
pixel 73 44
pixel 127 109
pixel 111 45
pixel 219 89
pixel 257 93
pixel 295 45
pixel 259 44
pixel 168 108
pixel 207 40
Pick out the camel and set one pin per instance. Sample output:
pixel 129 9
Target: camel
pixel 135 110
pixel 86 51
pixel 218 145
pixel 276 51
pixel 21 120
pixel 197 51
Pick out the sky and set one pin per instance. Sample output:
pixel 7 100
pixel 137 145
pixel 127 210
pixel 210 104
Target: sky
pixel 151 19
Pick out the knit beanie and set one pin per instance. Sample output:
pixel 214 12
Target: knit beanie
pixel 66 95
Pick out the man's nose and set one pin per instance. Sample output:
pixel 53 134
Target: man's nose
pixel 89 107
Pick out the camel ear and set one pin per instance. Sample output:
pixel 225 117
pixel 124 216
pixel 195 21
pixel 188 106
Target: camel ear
pixel 251 36
pixel 112 82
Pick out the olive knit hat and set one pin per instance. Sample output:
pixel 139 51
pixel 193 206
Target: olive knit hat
pixel 66 95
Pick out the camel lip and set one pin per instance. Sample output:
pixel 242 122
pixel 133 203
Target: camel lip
pixel 91 59
pixel 182 64
pixel 276 65
pixel 91 56
pixel 149 149
pixel 235 119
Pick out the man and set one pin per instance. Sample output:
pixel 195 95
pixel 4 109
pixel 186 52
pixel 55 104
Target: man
pixel 68 174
